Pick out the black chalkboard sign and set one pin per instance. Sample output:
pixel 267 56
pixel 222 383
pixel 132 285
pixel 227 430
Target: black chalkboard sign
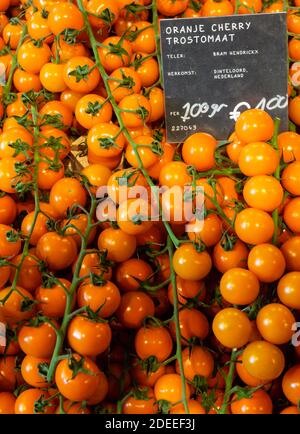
pixel 215 68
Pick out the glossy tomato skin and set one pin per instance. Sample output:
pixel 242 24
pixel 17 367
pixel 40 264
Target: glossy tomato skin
pixel 104 299
pixel 31 371
pixel 83 385
pixel 38 341
pixel 232 327
pixel 153 341
pixel 291 384
pixel 267 262
pixel 168 387
pixel 263 360
pixel 7 403
pixel 134 405
pixel 48 246
pixel 189 264
pixel 87 337
pixel 26 402
pixel 52 299
pixel 259 403
pixel 275 323
pixel 254 125
pixel 134 307
pixel 288 290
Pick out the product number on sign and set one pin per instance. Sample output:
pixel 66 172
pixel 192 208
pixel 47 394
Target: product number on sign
pixel 192 111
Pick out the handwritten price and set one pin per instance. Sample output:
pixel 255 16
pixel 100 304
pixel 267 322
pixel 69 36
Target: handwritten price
pixel 192 111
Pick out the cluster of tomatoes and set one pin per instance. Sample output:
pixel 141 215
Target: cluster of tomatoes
pixel 132 315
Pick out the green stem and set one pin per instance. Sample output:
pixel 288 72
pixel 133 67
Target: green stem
pixel 118 112
pixel 275 214
pixel 70 295
pixel 177 326
pixel 228 383
pixel 157 38
pixel 14 63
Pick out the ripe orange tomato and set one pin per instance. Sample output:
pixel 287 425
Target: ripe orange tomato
pixel 88 337
pixel 291 252
pixel 263 192
pixel 192 323
pixel 52 298
pixel 214 8
pixel 291 384
pixel 190 264
pixel 173 174
pixel 124 82
pixel 30 277
pixel 258 158
pixel 290 178
pixel 254 125
pixel 8 210
pixel 31 369
pixel 10 243
pixel 294 107
pixel 169 388
pixel 187 289
pixel 170 8
pixel 133 216
pixel 259 403
pixel 105 140
pixel 81 75
pixel 81 384
pixel 38 27
pixel 235 279
pixel 49 174
pixel 288 290
pixel 263 360
pixel 136 110
pixel 13 137
pixel 114 53
pixel 135 306
pixel 103 299
pixel 102 13
pixel 132 273
pixel 244 375
pixel 146 67
pixel 234 148
pixel 48 246
pixel 254 226
pixel 32 57
pixel 92 109
pixel 289 146
pixel 232 327
pixel 18 306
pixel 274 322
pixel 7 403
pixel 267 262
pixel 38 339
pixel 66 51
pixel 54 142
pixel 65 194
pixel 291 215
pixel 51 77
pixel 248 6
pixel 194 407
pixel 144 404
pixel 119 245
pixel 225 258
pixel 34 401
pixel 199 151
pixel 64 16
pixel 208 232
pixel 142 37
pixel 146 153
pixel 153 341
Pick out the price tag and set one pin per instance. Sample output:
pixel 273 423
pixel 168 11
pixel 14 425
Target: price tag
pixel 215 68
